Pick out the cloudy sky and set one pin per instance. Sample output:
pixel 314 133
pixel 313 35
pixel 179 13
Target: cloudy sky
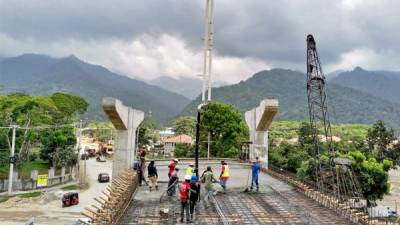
pixel 151 38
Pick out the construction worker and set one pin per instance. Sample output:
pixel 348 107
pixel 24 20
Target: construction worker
pixel 194 194
pixel 141 170
pixel 190 170
pixel 184 197
pixel 171 167
pixel 152 175
pixel 255 170
pixel 224 176
pixel 173 181
pixel 208 179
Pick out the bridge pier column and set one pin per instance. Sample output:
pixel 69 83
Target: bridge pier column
pixel 126 120
pixel 259 119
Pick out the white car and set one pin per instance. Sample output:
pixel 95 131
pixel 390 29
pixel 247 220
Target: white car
pixel 83 221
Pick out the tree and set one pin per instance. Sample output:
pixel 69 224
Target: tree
pixel 379 138
pixel 147 131
pixel 226 126
pixel 305 134
pixel 185 125
pixel 183 150
pixel 372 175
pixel 56 144
pixel 40 111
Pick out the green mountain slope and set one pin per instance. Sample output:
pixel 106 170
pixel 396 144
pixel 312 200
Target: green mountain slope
pixel 346 105
pixel 42 75
pixel 383 84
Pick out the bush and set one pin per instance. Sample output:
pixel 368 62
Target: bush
pixel 183 150
pixel 33 156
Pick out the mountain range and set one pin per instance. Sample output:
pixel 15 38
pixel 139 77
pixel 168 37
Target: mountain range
pixel 357 96
pixel 347 103
pixel 188 87
pixel 42 75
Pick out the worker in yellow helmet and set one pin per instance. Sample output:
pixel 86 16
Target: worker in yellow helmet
pixel 190 170
pixel 224 176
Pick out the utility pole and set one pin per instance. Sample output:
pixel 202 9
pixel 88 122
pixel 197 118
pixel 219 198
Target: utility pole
pixel 12 159
pixel 207 61
pixel 208 47
pixel 80 136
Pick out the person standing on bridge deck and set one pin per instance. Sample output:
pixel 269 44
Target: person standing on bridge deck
pixel 194 194
pixel 224 176
pixel 184 197
pixel 152 175
pixel 141 170
pixel 173 180
pixel 255 170
pixel 171 167
pixel 208 179
pixel 190 170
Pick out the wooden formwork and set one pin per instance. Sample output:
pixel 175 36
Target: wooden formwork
pixel 112 203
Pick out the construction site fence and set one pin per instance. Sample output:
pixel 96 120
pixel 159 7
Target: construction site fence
pixel 114 201
pixel 355 215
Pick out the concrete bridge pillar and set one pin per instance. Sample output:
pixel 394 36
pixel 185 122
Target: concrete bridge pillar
pixel 259 119
pixel 126 120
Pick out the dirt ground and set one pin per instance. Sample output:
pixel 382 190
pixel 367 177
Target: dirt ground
pixel 47 209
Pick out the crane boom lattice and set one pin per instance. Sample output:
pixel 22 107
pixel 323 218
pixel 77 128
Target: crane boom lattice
pixel 333 174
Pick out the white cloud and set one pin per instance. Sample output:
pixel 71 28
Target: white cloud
pixel 366 58
pixel 146 57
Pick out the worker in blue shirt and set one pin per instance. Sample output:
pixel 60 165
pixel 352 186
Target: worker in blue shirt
pixel 255 169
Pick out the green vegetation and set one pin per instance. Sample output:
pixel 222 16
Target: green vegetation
pixel 370 163
pixel 30 194
pixel 70 187
pixel 101 130
pixel 289 129
pixel 43 75
pixel 227 129
pixel 184 151
pixel 147 132
pixel 54 145
pixel 4 198
pixel 185 125
pixel 346 105
pixel 40 165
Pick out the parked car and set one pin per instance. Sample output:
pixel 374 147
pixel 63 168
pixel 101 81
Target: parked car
pixel 83 221
pixel 70 198
pixel 84 156
pixel 103 177
pixel 100 158
pixel 392 214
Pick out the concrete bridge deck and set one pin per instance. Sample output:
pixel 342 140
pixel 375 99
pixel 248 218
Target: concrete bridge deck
pixel 276 203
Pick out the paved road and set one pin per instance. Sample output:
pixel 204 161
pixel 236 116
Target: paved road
pixel 49 211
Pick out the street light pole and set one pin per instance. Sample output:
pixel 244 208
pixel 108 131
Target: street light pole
pixel 12 160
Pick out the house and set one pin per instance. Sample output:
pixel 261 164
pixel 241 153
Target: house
pixel 170 143
pixel 167 133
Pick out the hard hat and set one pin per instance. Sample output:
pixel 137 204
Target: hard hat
pixel 176 160
pixel 193 179
pixel 191 164
pixel 188 177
